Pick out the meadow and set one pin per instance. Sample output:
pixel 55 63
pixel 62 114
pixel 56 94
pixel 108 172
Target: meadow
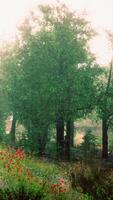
pixel 25 177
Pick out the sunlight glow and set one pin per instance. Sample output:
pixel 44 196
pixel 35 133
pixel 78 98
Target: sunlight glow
pixel 100 13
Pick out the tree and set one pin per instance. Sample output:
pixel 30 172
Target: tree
pixel 105 102
pixel 11 82
pixel 65 38
pixel 55 75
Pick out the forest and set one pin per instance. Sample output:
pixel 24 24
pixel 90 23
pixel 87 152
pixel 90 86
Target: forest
pixel 50 81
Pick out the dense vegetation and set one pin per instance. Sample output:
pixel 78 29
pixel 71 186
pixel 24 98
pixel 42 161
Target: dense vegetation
pixel 50 79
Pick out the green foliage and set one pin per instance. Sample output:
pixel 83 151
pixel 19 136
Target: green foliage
pixel 21 193
pixel 49 71
pixel 93 180
pixel 89 145
pixel 111 147
pixel 24 178
pixel 51 149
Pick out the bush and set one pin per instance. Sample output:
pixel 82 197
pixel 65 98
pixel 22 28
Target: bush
pixel 93 180
pixel 51 149
pixel 88 146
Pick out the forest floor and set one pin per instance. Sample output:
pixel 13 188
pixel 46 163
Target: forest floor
pixel 24 177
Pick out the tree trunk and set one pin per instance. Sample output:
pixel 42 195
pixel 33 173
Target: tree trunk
pixel 43 141
pixel 105 118
pixel 30 138
pixel 104 139
pixel 60 137
pixel 13 130
pixel 72 133
pixel 68 139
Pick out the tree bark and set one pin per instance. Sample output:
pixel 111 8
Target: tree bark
pixel 43 141
pixel 105 117
pixel 13 130
pixel 104 139
pixel 72 133
pixel 60 137
pixel 68 139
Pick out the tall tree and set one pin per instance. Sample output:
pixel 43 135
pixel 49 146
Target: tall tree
pixel 66 43
pixel 105 102
pixel 55 74
pixel 10 81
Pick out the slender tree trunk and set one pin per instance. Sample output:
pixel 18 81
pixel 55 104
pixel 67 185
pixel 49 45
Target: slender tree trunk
pixel 104 139
pixel 68 139
pixel 60 137
pixel 72 133
pixel 43 141
pixel 13 130
pixel 105 117
pixel 31 137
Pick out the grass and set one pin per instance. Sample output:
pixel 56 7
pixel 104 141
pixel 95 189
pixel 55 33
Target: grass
pixel 23 177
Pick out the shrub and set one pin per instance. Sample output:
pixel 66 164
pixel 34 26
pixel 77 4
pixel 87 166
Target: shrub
pixel 93 180
pixel 51 149
pixel 88 146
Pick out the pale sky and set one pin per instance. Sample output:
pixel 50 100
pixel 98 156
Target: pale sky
pixel 100 13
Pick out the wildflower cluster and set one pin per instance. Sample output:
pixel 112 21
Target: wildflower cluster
pixel 14 165
pixel 18 170
pixel 59 186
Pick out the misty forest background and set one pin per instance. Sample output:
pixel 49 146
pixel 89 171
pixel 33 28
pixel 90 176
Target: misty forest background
pixel 56 111
pixel 49 80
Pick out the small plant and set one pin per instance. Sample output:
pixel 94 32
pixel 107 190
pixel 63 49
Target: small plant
pixel 88 146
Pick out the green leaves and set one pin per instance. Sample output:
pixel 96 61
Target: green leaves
pixel 50 69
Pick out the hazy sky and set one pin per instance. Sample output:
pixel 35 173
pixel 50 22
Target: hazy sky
pixel 100 13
